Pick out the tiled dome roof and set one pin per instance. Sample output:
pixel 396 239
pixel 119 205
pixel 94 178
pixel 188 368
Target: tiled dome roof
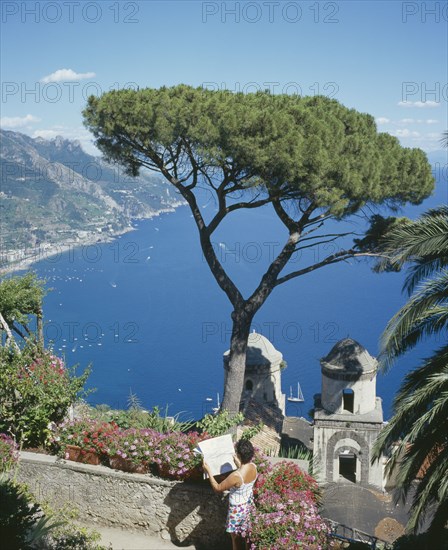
pixel 349 355
pixel 260 351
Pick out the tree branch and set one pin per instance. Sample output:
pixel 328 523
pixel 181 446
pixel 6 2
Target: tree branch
pixel 288 222
pixel 335 235
pixel 311 245
pixel 237 206
pixel 334 258
pixel 221 277
pixel 9 335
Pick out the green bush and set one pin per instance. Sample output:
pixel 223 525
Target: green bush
pixel 252 431
pixel 35 390
pixel 17 515
pixel 67 535
pixel 220 423
pixel 139 418
pixel 25 526
pixel 72 537
pixel 9 454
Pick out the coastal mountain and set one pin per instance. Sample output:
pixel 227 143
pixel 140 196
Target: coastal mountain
pixel 53 192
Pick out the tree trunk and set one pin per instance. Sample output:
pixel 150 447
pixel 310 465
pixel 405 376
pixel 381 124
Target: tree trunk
pixel 237 360
pixel 40 329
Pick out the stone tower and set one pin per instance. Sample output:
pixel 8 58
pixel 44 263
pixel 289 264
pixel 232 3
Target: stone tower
pixel 262 377
pixel 348 417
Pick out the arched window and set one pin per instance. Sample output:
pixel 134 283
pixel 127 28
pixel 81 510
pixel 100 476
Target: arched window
pixel 348 400
pixel 249 385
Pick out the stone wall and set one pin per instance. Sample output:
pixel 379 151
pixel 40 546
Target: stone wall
pixel 186 513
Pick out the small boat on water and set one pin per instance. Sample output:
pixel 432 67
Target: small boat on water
pixel 297 399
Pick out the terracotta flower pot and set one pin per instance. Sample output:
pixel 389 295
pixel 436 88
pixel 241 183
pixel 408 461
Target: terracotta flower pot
pixel 119 463
pixel 77 454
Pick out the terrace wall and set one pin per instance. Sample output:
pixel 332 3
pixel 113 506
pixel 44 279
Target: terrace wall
pixel 188 513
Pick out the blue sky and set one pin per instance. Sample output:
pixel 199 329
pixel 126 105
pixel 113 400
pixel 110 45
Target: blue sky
pixel 385 58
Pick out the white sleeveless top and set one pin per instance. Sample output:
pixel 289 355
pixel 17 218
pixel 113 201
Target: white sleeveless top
pixel 242 494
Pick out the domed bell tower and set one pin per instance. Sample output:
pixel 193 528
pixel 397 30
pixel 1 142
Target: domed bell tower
pixel 348 417
pixel 262 376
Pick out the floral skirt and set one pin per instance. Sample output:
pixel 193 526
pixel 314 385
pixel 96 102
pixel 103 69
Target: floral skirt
pixel 237 517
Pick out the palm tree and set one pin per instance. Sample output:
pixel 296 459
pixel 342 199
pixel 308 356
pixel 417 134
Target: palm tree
pixel 444 139
pixel 419 423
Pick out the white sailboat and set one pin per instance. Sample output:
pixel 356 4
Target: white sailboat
pixel 299 398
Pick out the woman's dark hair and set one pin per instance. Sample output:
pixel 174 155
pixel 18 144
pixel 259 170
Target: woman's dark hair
pixel 245 450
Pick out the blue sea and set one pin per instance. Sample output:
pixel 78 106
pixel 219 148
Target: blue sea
pixel 146 313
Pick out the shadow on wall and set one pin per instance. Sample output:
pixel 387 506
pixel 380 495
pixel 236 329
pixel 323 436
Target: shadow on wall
pixel 212 511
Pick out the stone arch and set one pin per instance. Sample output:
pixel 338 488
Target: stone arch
pixel 362 454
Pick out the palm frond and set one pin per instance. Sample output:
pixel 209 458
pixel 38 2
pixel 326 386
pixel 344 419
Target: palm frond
pixel 417 392
pixel 418 431
pixel 426 313
pixel 418 428
pixel 422 269
pixel 432 491
pixel 422 238
pixel 444 139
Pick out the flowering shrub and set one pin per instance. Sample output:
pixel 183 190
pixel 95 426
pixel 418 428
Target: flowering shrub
pixel 90 435
pixel 285 513
pixel 136 445
pixel 9 454
pixel 35 389
pixel 284 528
pixel 261 461
pixel 172 452
pixel 175 456
pixel 287 476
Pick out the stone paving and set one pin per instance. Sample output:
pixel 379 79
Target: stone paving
pixel 364 508
pixel 126 540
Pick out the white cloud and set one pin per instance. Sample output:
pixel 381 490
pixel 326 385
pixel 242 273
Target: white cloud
pixel 62 75
pixel 428 142
pixel 417 121
pixel 419 104
pixel 17 121
pixel 382 120
pixel 406 133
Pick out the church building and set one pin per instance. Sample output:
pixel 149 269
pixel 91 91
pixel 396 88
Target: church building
pixel 348 417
